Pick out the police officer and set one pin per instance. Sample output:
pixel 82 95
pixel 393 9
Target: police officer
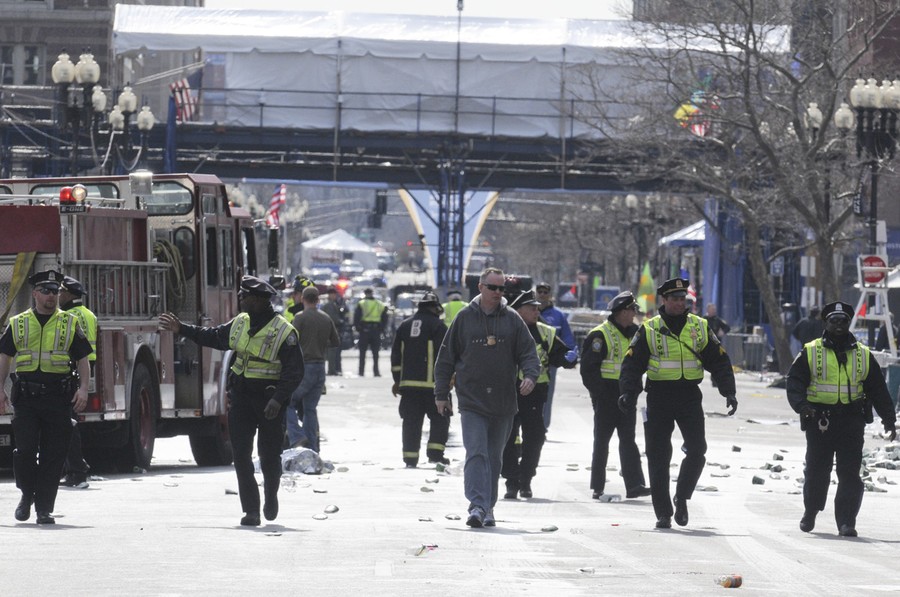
pixel 369 319
pixel 601 365
pixel 413 353
pixel 294 303
pixel 267 368
pixel 71 299
pixel 520 461
pixel 673 349
pixel 833 384
pixel 44 341
pixel 453 306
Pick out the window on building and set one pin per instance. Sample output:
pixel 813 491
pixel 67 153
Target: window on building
pixel 21 65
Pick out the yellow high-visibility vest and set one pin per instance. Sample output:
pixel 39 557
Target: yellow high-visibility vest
pixel 826 384
pixel 45 349
pixel 257 355
pixel 670 358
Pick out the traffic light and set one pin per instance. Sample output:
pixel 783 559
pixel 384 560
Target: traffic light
pixel 381 202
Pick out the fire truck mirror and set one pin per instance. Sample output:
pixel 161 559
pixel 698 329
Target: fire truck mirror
pixel 141 182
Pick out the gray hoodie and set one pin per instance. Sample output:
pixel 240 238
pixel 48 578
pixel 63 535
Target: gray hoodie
pixel 486 375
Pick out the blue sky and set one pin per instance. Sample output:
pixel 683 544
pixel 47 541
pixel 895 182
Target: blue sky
pixel 579 9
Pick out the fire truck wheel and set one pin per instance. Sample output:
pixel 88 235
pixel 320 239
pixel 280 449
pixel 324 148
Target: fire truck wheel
pixel 212 449
pixel 142 421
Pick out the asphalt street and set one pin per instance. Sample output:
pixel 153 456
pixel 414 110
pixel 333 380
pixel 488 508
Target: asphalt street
pixel 174 529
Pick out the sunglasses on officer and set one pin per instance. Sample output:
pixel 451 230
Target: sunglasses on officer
pixel 46 291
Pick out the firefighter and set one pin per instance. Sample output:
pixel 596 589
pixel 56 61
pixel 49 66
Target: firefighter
pixel 71 299
pixel 414 351
pixel 369 319
pixel 601 364
pixel 267 369
pixel 294 303
pixel 833 384
pixel 44 342
pixel 673 349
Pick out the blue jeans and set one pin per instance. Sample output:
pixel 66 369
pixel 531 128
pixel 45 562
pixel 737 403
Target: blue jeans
pixel 484 439
pixel 305 399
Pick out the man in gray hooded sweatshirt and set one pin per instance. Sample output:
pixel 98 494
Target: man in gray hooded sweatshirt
pixel 486 347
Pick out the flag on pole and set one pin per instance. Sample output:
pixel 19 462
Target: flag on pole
pixel 279 198
pixel 185 91
pixel 646 296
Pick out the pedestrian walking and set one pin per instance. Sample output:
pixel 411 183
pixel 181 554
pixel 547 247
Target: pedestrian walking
pixel 809 328
pixel 717 325
pixel 485 348
pixel 267 368
pixel 520 460
pixel 673 349
pixel 71 299
pixel 43 342
pixel 553 316
pixel 369 319
pixel 413 354
pixel 833 385
pixel 453 306
pixel 317 335
pixel 335 308
pixel 601 366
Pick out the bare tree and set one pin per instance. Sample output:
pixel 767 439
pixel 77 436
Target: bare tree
pixel 721 108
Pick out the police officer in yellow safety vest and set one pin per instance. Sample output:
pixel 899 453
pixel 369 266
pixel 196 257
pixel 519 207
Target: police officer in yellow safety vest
pixel 673 349
pixel 369 319
pixel 413 353
pixel 453 306
pixel 520 461
pixel 71 299
pixel 268 366
pixel 43 342
pixel 601 363
pixel 833 384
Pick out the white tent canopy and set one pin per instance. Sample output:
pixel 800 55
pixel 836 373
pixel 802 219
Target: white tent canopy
pixel 334 247
pixel 690 236
pixel 400 73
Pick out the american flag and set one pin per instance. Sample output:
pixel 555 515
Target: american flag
pixel 185 93
pixel 279 198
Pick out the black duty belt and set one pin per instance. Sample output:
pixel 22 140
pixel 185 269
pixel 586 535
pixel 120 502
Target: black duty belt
pixel 31 388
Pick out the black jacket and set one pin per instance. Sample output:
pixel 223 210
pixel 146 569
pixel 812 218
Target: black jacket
pixel 415 349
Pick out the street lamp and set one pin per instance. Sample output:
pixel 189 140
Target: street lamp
pixel 876 134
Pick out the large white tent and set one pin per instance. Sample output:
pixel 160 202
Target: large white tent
pixel 403 73
pixel 332 248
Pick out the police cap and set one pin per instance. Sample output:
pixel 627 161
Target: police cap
pixel 72 286
pixel 255 286
pixel 674 287
pixel 837 309
pixel 50 278
pixel 623 300
pixel 525 298
pixel 277 282
pixel 454 295
pixel 543 286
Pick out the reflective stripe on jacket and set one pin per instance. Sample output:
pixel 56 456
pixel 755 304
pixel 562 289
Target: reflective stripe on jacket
pixel 826 384
pixel 45 349
pixel 257 355
pixel 88 322
pixel 616 345
pixel 670 358
pixel 548 335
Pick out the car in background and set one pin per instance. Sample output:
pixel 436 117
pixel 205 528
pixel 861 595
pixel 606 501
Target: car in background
pixel 582 321
pixel 350 268
pixel 371 277
pixel 322 275
pixel 386 261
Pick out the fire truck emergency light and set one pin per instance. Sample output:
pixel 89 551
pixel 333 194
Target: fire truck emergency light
pixel 71 199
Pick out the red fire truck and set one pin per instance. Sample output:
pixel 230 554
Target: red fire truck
pixel 140 245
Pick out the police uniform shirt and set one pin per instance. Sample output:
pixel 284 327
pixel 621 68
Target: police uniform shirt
pixel 713 358
pixel 593 352
pixel 79 349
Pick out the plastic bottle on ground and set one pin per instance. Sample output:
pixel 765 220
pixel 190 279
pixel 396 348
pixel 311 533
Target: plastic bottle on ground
pixel 730 581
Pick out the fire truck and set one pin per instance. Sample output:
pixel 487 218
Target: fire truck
pixel 140 244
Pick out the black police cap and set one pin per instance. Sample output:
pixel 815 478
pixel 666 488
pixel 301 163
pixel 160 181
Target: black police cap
pixel 673 286
pixel 51 278
pixel 623 300
pixel 72 286
pixel 837 309
pixel 524 298
pixel 255 286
